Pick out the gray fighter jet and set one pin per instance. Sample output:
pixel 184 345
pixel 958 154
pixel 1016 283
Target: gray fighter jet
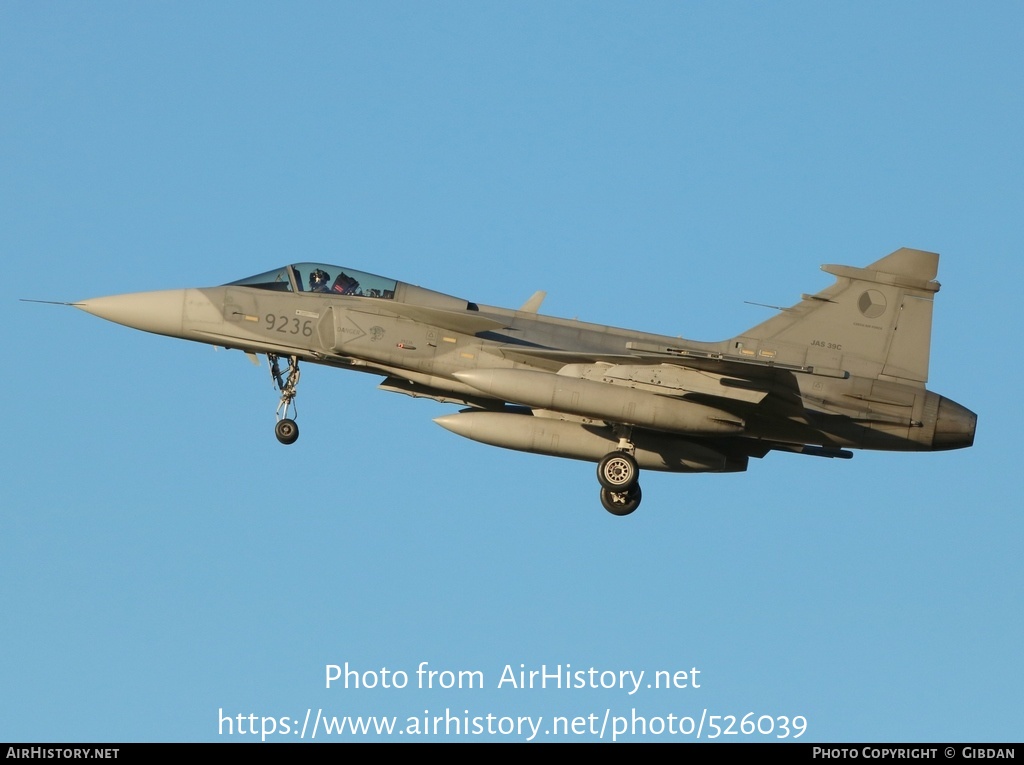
pixel 843 368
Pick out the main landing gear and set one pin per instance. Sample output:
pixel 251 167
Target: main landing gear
pixel 621 502
pixel 286 430
pixel 619 477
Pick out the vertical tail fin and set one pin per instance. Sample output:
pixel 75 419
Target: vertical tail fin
pixel 873 322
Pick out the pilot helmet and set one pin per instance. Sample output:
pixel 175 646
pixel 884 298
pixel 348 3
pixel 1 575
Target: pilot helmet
pixel 318 279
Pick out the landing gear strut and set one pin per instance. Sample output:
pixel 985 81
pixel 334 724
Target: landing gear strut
pixel 286 430
pixel 619 477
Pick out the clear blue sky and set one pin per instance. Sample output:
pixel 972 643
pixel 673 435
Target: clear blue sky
pixel 651 165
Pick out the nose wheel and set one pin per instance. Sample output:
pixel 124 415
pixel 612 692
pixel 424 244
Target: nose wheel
pixel 286 430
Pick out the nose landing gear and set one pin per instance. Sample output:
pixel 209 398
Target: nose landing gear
pixel 286 430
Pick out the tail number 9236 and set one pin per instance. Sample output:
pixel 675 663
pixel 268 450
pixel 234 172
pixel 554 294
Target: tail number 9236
pixel 288 325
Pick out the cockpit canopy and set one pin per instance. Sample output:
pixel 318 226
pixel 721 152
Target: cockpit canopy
pixel 322 278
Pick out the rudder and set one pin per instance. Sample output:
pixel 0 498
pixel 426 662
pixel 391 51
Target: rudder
pixel 873 322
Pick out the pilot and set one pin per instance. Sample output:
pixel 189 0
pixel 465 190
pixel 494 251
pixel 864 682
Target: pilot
pixel 318 281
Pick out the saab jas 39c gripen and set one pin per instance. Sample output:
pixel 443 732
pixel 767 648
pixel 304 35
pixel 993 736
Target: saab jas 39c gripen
pixel 843 368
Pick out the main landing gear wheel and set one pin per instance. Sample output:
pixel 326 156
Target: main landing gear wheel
pixel 621 503
pixel 287 431
pixel 617 471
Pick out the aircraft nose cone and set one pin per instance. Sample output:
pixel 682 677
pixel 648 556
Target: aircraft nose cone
pixel 159 312
pixel 954 426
